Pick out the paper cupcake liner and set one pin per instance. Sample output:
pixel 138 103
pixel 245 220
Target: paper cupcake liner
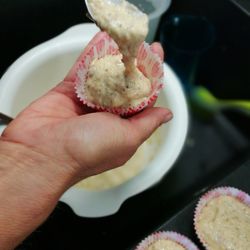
pixel 215 193
pixel 167 235
pixel 147 62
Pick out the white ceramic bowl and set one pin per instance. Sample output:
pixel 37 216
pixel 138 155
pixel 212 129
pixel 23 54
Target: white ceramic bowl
pixel 43 67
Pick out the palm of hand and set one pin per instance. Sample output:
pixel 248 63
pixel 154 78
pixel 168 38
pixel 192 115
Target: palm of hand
pixel 58 126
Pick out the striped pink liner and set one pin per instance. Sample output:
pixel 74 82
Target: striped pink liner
pixel 215 193
pixel 167 235
pixel 147 61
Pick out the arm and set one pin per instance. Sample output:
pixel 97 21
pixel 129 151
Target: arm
pixel 32 182
pixel 30 186
pixel 53 144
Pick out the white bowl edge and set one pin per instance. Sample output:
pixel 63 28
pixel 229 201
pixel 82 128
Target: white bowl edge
pixel 73 35
pixel 107 202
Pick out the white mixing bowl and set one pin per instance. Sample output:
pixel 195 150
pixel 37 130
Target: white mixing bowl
pixel 43 67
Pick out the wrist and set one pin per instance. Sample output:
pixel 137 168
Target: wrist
pixel 37 168
pixel 30 186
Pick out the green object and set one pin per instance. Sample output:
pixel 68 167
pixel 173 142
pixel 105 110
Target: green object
pixel 205 99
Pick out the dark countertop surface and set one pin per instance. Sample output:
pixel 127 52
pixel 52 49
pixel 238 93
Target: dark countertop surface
pixel 183 221
pixel 214 148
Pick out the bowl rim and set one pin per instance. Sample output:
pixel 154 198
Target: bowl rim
pixel 113 198
pixel 110 199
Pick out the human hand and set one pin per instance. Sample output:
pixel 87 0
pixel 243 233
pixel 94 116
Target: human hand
pixel 59 127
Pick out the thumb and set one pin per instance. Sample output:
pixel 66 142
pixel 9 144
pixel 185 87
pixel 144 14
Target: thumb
pixel 146 122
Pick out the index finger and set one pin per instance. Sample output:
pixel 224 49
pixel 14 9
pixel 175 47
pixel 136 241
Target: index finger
pixel 72 73
pixel 157 49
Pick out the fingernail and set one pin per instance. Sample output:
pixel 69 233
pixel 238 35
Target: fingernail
pixel 168 117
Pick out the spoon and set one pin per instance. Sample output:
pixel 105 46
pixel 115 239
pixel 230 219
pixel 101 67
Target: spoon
pixel 206 99
pixel 4 119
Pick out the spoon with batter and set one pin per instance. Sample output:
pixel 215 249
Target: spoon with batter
pixel 4 119
pixel 124 22
pixel 128 27
pixel 89 7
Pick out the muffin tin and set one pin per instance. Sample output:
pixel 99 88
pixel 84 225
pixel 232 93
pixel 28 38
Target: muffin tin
pixel 182 222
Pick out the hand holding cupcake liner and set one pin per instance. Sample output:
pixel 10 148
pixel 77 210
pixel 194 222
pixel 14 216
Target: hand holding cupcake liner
pixel 120 73
pixel 148 62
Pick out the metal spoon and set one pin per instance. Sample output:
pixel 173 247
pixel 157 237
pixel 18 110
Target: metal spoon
pixel 4 119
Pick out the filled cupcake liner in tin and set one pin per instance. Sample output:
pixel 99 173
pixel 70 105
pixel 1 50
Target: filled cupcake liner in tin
pixel 215 193
pixel 167 235
pixel 148 63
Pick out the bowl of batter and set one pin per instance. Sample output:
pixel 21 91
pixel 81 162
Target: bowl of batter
pixel 41 68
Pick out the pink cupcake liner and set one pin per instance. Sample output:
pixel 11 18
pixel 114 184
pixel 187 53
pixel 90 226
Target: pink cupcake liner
pixel 148 63
pixel 167 235
pixel 215 193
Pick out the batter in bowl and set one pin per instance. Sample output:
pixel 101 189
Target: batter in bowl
pixel 112 178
